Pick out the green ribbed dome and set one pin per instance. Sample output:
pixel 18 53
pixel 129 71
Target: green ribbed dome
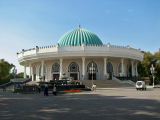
pixel 79 36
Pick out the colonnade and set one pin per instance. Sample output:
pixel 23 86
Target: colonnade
pixel 83 68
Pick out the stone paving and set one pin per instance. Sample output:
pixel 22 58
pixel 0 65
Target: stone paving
pixel 102 104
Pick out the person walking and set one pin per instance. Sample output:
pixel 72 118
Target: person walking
pixel 17 86
pixel 39 88
pixel 93 87
pixel 54 90
pixel 4 88
pixel 46 90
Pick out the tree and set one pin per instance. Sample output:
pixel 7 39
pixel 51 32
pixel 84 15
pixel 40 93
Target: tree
pixel 5 68
pixel 144 66
pixel 148 60
pixel 157 65
pixel 20 75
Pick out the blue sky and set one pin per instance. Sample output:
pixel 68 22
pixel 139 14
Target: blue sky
pixel 25 24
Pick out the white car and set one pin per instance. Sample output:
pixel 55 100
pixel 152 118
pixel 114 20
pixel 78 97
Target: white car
pixel 140 85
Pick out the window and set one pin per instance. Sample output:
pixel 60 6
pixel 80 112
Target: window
pixel 109 67
pixel 73 67
pixel 94 66
pixel 55 67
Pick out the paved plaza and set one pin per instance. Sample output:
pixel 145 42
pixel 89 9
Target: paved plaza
pixel 103 104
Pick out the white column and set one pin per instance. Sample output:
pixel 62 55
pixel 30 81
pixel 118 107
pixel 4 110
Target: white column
pixel 83 64
pixel 42 72
pixel 105 70
pixel 132 68
pixel 136 70
pixel 24 71
pixel 29 70
pixel 122 67
pixel 61 60
pixel 51 76
pixel 32 72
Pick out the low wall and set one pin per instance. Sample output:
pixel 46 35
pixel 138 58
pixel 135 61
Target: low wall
pixel 124 81
pixel 135 79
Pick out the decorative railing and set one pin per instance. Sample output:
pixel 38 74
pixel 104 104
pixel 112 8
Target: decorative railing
pixel 87 48
pixel 20 80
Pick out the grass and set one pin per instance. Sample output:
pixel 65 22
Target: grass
pixel 22 92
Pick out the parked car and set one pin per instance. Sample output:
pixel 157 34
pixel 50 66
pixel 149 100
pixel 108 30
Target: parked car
pixel 140 85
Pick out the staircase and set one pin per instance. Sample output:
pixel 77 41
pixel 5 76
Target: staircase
pixel 32 82
pixel 104 83
pixel 99 83
pixel 10 85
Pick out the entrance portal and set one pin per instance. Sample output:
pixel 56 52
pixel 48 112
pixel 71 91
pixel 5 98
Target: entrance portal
pixel 74 75
pixel 55 76
pixel 90 76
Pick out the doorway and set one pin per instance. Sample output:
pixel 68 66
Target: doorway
pixel 90 76
pixel 55 76
pixel 74 75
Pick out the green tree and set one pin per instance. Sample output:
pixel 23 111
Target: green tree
pixel 144 66
pixel 157 65
pixel 5 68
pixel 20 75
pixel 148 60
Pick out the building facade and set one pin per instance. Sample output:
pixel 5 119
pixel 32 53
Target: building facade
pixel 75 54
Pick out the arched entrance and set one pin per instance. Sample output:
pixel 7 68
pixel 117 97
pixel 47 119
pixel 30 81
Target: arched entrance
pixel 109 71
pixel 55 71
pixel 73 70
pixel 90 66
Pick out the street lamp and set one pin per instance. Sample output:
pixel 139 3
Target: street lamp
pixel 14 72
pixel 152 71
pixel 91 71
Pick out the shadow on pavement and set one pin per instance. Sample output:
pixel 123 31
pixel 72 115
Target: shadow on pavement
pixel 76 107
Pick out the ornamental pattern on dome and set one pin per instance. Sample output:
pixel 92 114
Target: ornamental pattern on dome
pixel 79 36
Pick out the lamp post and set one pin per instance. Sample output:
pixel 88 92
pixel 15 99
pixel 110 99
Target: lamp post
pixel 152 71
pixel 14 72
pixel 91 71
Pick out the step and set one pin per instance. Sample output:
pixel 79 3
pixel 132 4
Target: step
pixel 104 83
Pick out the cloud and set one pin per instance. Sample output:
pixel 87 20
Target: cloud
pixel 130 10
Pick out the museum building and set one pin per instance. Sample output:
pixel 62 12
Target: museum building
pixel 75 54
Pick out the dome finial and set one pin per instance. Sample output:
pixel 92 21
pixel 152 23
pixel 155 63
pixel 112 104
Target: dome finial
pixel 79 25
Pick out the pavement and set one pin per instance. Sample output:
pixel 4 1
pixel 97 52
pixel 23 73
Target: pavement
pixel 108 103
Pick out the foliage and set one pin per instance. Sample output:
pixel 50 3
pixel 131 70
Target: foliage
pixel 157 66
pixel 22 92
pixel 20 75
pixel 148 60
pixel 5 79
pixel 144 66
pixel 5 68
